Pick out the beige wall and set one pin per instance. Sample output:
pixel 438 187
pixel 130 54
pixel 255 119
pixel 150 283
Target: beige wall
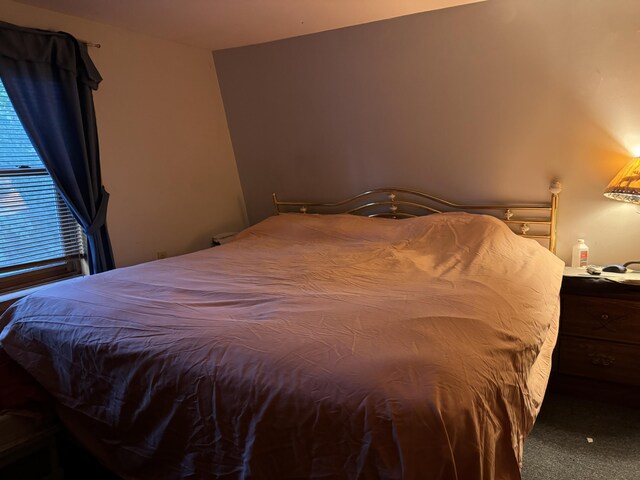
pixel 487 101
pixel 166 155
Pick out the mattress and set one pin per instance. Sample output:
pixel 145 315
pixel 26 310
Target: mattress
pixel 311 346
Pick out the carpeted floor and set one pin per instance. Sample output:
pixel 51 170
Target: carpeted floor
pixel 559 449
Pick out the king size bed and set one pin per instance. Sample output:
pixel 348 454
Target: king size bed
pixel 311 346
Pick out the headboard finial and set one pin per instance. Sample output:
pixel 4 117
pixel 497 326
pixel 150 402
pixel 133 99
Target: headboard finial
pixel 555 187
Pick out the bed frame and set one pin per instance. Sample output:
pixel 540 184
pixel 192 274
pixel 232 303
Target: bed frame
pixel 539 222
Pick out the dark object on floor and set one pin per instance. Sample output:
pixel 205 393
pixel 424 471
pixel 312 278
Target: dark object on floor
pixel 581 439
pixel 78 464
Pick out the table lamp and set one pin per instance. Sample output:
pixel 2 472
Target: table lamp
pixel 625 187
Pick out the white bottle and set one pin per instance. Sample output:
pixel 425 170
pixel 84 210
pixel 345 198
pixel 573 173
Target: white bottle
pixel 580 255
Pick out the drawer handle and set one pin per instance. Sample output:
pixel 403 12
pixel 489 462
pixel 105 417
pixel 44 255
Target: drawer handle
pixel 604 316
pixel 601 359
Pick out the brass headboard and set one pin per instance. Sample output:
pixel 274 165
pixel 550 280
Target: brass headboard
pixel 540 222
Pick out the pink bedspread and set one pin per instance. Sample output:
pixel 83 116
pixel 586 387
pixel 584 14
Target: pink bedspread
pixel 310 347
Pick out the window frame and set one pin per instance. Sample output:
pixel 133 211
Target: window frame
pixel 43 271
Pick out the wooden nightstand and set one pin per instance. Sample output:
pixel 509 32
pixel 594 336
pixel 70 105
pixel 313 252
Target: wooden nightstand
pixel 598 351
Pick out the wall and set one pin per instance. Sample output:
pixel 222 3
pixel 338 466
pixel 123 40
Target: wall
pixel 483 102
pixel 167 159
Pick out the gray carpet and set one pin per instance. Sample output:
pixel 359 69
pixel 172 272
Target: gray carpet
pixel 558 448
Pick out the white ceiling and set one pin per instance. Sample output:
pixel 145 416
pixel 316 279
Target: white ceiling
pixel 216 24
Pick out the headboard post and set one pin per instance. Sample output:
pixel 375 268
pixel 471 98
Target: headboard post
pixel 555 188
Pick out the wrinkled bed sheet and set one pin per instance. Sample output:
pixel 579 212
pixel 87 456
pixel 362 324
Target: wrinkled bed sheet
pixel 310 347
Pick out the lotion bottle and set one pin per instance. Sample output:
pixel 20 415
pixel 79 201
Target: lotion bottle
pixel 580 254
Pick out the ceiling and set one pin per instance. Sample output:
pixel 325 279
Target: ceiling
pixel 217 24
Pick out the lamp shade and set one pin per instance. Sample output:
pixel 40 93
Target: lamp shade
pixel 626 185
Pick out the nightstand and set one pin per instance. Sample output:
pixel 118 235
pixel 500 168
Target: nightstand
pixel 598 351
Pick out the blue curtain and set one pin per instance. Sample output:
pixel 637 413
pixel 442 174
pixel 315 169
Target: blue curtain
pixel 50 79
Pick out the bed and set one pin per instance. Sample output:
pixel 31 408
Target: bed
pixel 311 346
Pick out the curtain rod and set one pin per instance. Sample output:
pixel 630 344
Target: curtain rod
pixel 88 44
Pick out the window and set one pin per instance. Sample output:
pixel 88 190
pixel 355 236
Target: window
pixel 40 241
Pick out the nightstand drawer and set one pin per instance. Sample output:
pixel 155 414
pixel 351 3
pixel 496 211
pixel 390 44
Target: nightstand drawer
pixel 608 361
pixel 602 318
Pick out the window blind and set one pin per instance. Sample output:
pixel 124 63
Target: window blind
pixel 40 239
